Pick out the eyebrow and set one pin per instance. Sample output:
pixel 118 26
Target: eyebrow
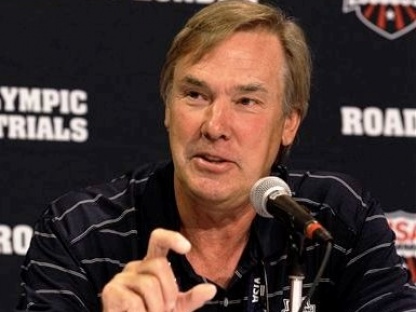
pixel 252 87
pixel 194 81
pixel 247 88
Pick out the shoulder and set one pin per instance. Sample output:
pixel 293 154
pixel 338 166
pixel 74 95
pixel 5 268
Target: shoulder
pixel 326 186
pixel 109 204
pixel 336 198
pixel 116 191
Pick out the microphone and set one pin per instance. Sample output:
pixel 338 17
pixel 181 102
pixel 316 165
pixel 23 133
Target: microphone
pixel 272 198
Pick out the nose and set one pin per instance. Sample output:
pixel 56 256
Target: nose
pixel 217 121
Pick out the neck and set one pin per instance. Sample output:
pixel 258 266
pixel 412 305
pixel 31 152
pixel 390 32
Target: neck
pixel 214 223
pixel 215 252
pixel 218 237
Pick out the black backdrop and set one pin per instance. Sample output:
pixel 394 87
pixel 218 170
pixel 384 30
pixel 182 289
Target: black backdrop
pixel 79 103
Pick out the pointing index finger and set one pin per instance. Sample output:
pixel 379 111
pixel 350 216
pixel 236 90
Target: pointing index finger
pixel 161 241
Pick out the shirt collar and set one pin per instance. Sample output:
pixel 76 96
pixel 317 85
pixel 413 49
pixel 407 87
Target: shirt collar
pixel 158 209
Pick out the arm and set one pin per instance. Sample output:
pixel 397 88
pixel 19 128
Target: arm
pixel 375 277
pixel 52 278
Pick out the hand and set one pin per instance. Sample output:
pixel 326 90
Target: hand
pixel 150 285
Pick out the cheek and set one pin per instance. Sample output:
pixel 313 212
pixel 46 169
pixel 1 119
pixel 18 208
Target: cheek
pixel 183 127
pixel 265 140
pixel 266 133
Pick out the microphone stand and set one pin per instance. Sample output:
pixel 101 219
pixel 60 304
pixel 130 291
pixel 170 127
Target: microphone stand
pixel 296 274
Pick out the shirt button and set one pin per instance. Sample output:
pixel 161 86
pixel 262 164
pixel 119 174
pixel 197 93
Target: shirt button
pixel 225 302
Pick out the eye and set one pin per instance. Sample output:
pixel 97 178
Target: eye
pixel 195 97
pixel 246 101
pixel 193 94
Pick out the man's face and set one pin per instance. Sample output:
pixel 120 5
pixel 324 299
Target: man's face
pixel 224 118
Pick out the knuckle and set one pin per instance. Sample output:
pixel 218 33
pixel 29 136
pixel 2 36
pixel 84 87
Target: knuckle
pixel 161 264
pixel 157 234
pixel 109 287
pixel 149 282
pixel 109 291
pixel 132 265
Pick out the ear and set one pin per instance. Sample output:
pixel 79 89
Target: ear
pixel 167 117
pixel 290 128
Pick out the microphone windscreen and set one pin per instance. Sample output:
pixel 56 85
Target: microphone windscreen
pixel 261 191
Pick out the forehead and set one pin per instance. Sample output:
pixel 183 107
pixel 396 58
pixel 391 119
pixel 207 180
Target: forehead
pixel 245 54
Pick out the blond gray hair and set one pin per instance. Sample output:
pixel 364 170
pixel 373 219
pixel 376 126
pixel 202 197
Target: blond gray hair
pixel 214 23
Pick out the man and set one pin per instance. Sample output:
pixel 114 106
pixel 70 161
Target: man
pixel 183 235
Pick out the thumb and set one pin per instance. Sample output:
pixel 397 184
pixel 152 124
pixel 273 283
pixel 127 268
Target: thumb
pixel 196 297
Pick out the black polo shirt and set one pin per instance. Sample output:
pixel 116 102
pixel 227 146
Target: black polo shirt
pixel 87 236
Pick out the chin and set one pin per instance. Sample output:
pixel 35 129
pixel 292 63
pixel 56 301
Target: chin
pixel 209 189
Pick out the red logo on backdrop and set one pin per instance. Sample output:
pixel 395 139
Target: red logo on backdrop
pixel 389 18
pixel 404 226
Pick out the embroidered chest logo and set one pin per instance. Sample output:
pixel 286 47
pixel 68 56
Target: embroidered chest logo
pixel 308 307
pixel 258 290
pixel 389 18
